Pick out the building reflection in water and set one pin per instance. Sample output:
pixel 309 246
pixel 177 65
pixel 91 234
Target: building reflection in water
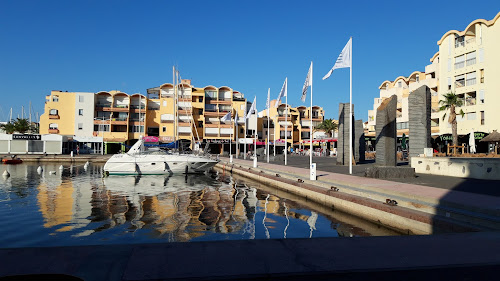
pixel 80 203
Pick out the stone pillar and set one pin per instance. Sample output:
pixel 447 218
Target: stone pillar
pixel 343 135
pixel 386 132
pixel 359 141
pixel 419 115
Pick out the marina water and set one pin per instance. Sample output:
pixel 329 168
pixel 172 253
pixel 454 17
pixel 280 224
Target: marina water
pixel 76 205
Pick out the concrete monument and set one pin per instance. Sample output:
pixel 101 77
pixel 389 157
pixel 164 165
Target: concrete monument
pixel 386 132
pixel 419 116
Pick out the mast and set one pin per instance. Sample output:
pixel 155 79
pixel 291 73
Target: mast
pixel 286 123
pixel 311 133
pixel 30 113
pixel 267 142
pixel 10 118
pixel 175 107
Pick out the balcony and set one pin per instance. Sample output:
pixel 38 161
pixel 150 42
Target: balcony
pixel 459 65
pixel 284 118
pixel 470 81
pixel 53 116
pixel 53 131
pixel 431 68
pixel 470 61
pixel 118 121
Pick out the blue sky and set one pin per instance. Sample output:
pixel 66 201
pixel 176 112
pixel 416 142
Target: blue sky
pixel 250 46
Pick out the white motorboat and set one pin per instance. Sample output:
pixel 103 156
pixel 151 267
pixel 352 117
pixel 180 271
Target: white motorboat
pixel 141 161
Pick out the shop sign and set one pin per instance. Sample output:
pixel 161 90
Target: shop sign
pixel 216 141
pixel 479 135
pixel 166 139
pixel 26 137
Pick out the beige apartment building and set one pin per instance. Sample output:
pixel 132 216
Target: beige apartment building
pixel 466 64
pixel 470 66
pixel 402 87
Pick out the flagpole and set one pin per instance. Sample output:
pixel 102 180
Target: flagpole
pixel 350 113
pixel 286 120
pixel 268 105
pixel 311 133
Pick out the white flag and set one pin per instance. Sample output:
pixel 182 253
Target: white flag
pixel 282 93
pixel 307 83
pixel 226 117
pixel 252 108
pixel 268 102
pixel 344 59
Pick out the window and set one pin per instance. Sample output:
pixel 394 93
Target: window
pixel 80 112
pixel 481 96
pixel 400 84
pixel 80 126
pixel 101 128
pixel 55 98
pixel 241 131
pixel 81 98
pixel 53 126
pixel 471 116
pixel 417 78
pixel 242 107
pixel 200 124
pixel 200 111
pixel 164 129
pixel 481 55
pixel 481 73
pixel 459 41
pixel 53 112
pixel 136 129
pixel 164 103
pixel 482 117
pixel 471 58
pixel 459 62
pixel 200 99
pixel 449 83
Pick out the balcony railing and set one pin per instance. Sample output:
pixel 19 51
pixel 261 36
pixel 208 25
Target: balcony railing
pixel 470 81
pixel 471 61
pixel 53 131
pixel 103 105
pixel 135 106
pixel 53 116
pixel 459 64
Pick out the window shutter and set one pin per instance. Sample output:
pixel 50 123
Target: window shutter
pixel 481 55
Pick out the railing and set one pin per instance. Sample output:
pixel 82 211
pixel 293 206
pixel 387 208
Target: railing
pixel 103 105
pixel 459 44
pixel 53 131
pixel 459 64
pixel 470 81
pixel 134 106
pixel 119 119
pixel 120 106
pixel 53 116
pixel 153 108
pixel 471 61
pixel 470 40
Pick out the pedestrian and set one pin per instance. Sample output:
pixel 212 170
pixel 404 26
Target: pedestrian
pixel 77 150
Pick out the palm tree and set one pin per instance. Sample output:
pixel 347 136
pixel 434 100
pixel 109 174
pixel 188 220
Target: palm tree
pixel 328 125
pixel 9 128
pixel 23 125
pixel 451 101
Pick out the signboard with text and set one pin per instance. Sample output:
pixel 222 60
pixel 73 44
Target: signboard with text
pixel 26 137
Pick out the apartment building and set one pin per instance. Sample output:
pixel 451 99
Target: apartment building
pixel 105 122
pixel 297 125
pixel 470 65
pixel 402 87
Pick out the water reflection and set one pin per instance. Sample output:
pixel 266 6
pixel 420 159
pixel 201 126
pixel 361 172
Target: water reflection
pixel 76 205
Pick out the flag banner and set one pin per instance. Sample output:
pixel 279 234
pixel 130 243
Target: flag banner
pixel 268 102
pixel 307 83
pixel 252 108
pixel 282 93
pixel 226 117
pixel 344 59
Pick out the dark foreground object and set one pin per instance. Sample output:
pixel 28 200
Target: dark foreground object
pixel 464 256
pixel 388 172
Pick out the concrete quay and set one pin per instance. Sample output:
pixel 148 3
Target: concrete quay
pixel 420 209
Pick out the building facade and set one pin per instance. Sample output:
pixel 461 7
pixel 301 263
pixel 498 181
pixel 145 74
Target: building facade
pixel 469 67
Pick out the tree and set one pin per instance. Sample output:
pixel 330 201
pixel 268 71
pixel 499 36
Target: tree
pixel 328 125
pixel 20 125
pixel 450 102
pixel 9 128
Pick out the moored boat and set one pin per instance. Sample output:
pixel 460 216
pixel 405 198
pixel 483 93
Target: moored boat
pixel 12 161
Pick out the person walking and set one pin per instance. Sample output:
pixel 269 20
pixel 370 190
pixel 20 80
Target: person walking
pixel 77 150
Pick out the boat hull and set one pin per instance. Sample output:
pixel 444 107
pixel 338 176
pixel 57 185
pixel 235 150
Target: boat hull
pixel 12 161
pixel 123 164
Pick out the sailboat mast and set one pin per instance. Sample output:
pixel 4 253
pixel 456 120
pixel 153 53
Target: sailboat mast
pixel 30 113
pixel 10 118
pixel 175 105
